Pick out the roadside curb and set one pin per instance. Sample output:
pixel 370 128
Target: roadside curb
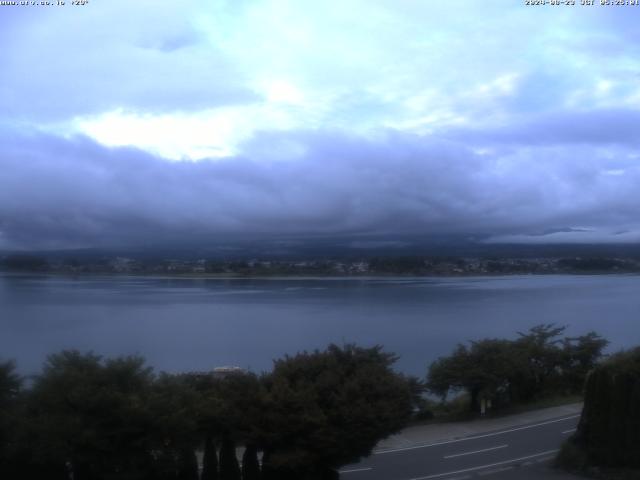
pixel 427 435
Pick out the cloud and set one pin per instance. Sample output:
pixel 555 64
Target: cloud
pixel 410 65
pixel 578 236
pixel 69 61
pixel 605 126
pixel 73 192
pixel 420 118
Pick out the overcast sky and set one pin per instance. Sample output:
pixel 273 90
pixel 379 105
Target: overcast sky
pixel 124 122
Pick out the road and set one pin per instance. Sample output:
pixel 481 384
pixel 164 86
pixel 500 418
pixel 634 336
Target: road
pixel 517 452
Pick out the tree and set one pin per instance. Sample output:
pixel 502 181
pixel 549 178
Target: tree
pixel 540 358
pixel 581 355
pixel 511 371
pixel 448 374
pixel 228 411
pixel 484 371
pixel 250 464
pixel 608 434
pixel 10 384
pixel 92 414
pixel 239 399
pixel 209 460
pixel 398 265
pixel 229 468
pixel 174 434
pixel 27 263
pixel 326 409
pixel 187 464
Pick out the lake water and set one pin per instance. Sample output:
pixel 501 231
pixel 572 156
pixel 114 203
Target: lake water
pixel 196 324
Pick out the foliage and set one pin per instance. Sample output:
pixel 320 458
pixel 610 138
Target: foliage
pixel 229 468
pixel 174 406
pixel 187 464
pixel 592 264
pixel 91 413
pixel 581 355
pixel 329 408
pixel 240 404
pixel 571 457
pixel 609 429
pixel 10 384
pixel 536 364
pixel 209 460
pixel 25 263
pixel 397 265
pixel 250 464
pixel 114 419
pixel 482 370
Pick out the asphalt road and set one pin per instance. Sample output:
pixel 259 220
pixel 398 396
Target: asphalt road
pixel 514 453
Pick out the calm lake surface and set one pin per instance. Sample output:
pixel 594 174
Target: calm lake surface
pixel 196 324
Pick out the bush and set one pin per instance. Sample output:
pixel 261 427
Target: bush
pixel 571 457
pixel 608 435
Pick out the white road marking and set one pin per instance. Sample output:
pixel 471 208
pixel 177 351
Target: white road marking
pixel 545 459
pixel 382 452
pixel 482 467
pixel 569 431
pixel 494 471
pixel 355 470
pixel 476 451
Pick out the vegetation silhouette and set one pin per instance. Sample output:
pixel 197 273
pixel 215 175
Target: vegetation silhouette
pixel 607 440
pixel 506 372
pixel 91 418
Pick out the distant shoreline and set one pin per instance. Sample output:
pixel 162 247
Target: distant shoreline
pixel 227 276
pixel 374 267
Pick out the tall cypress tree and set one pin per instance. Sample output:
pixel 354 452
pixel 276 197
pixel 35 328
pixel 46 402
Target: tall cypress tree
pixel 209 461
pixel 250 464
pixel 268 472
pixel 188 465
pixel 229 468
pixel 609 430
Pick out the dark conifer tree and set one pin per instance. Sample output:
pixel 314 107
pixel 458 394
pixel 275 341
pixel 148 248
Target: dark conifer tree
pixel 188 465
pixel 250 464
pixel 268 472
pixel 229 468
pixel 609 429
pixel 209 461
pixel 10 384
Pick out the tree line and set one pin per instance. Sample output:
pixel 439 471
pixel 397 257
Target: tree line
pixel 91 418
pixel 499 372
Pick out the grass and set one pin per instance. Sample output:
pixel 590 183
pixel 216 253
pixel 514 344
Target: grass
pixel 457 409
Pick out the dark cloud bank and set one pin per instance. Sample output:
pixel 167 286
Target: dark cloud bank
pixel 74 193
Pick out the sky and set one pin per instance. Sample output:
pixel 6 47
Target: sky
pixel 122 123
